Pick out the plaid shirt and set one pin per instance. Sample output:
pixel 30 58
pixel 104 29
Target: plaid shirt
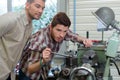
pixel 32 52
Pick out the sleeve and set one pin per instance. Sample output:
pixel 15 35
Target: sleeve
pixel 37 41
pixel 70 36
pixel 6 24
pixel 34 57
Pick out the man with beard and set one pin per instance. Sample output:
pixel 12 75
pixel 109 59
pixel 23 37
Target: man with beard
pixel 37 55
pixel 15 29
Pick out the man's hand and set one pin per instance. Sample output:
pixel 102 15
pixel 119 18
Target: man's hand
pixel 87 42
pixel 46 54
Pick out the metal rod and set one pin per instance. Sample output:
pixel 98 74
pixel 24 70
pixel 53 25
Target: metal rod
pixel 55 53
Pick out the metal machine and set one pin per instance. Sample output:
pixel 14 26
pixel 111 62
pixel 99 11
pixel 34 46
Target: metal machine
pixel 92 63
pixel 83 64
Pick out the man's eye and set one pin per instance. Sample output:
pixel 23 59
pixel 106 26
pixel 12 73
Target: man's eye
pixel 38 6
pixel 58 30
pixel 65 31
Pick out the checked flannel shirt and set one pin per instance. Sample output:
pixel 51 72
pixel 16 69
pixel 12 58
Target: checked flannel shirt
pixel 32 52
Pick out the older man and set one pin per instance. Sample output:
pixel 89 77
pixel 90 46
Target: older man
pixel 15 29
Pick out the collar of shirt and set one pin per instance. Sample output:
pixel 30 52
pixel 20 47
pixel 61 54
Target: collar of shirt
pixel 24 17
pixel 40 39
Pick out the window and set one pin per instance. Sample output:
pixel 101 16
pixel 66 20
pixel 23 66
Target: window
pixel 17 5
pixel 49 11
pixel 3 7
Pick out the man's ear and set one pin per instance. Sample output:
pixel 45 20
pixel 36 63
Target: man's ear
pixel 27 5
pixel 50 27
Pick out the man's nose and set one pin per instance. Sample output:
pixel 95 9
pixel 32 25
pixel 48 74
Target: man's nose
pixel 62 34
pixel 40 10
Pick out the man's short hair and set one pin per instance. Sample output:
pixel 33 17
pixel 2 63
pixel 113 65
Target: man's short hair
pixel 62 19
pixel 30 1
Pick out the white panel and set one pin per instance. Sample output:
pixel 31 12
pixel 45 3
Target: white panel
pixel 92 0
pixel 84 16
pixel 87 12
pixel 62 8
pixel 85 27
pixel 85 21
